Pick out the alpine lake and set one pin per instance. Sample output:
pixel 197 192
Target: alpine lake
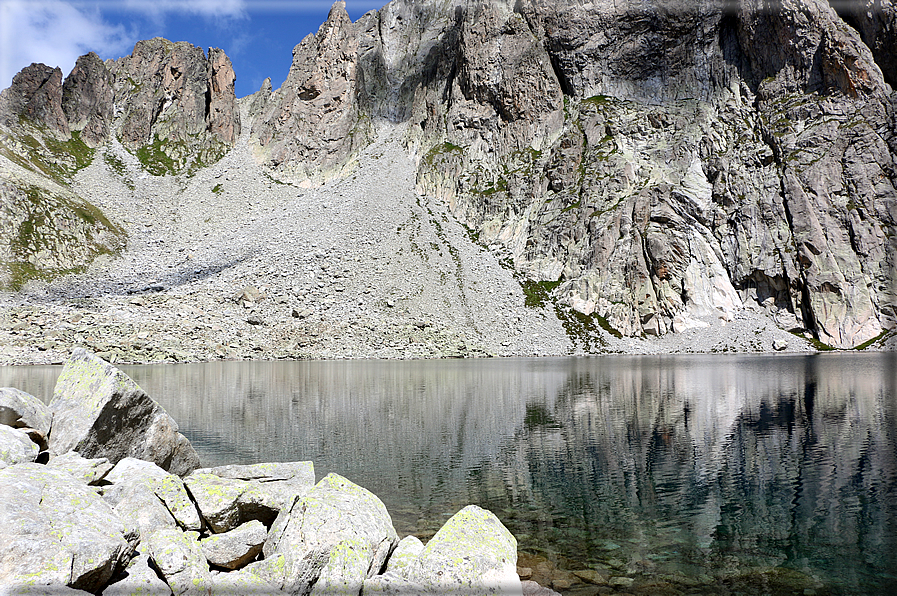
pixel 745 474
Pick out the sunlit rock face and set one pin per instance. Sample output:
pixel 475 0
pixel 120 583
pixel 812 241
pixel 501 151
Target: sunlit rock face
pixel 661 164
pixel 177 103
pixel 666 162
pixel 170 104
pixel 737 166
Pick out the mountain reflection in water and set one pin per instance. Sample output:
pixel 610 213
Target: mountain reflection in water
pixel 718 471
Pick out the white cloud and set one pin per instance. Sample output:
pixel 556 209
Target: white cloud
pixel 55 33
pixel 158 9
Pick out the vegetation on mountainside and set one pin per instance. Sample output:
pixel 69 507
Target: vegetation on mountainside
pixel 165 157
pixel 55 233
pixel 40 152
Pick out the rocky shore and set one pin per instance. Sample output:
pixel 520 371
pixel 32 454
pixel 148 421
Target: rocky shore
pixel 100 493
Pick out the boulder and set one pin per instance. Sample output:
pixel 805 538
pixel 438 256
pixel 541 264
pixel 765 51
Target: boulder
pixel 19 409
pixel 20 590
pixel 242 582
pixel 336 535
pixel 392 584
pixel 220 501
pixel 179 558
pixel 531 588
pixel 99 411
pixel 404 555
pixel 271 570
pixel 472 552
pixel 39 439
pixel 16 447
pixel 139 580
pixel 236 548
pixel 142 491
pixel 228 496
pixel 278 484
pixel 55 531
pixel 88 471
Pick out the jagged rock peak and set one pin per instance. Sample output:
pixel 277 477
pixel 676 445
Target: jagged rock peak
pixel 174 92
pixel 87 96
pixel 314 122
pixel 165 91
pixel 35 94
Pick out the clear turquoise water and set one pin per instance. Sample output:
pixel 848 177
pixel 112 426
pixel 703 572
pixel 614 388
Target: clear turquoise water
pixel 704 475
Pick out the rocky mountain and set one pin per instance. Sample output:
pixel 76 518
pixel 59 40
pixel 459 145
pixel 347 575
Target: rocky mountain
pixel 651 167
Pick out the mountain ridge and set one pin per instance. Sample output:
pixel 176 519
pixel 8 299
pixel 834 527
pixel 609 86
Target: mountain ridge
pixel 652 171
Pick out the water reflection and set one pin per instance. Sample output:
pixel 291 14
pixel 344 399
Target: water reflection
pixel 655 467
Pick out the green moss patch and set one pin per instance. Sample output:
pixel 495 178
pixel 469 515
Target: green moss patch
pixel 163 157
pixel 583 329
pixel 538 293
pixel 43 154
pixel 441 149
pixel 878 337
pixel 73 232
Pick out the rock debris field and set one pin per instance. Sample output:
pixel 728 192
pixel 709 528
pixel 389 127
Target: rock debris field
pixel 230 263
pixel 100 493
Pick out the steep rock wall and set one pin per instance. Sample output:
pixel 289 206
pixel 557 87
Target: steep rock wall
pixel 178 109
pixel 755 162
pixel 654 164
pixel 315 122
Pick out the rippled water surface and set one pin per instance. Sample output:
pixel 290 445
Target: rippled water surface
pixel 737 474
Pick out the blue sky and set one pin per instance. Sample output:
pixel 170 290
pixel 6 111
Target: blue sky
pixel 257 35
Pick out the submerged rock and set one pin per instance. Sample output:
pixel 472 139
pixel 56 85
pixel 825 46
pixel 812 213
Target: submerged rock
pixel 99 411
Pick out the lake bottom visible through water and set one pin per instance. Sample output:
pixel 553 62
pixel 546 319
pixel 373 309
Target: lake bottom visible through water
pixel 646 475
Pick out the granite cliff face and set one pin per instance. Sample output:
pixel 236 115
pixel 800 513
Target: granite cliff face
pixel 177 105
pixel 316 121
pixel 660 162
pixel 654 166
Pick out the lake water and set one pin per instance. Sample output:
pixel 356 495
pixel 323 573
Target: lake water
pixel 698 474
